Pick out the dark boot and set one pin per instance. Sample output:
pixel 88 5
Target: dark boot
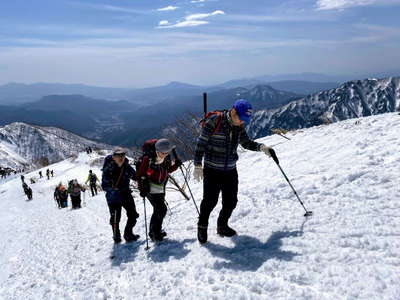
pixel 202 234
pixel 116 234
pixel 226 231
pixel 128 235
pixel 157 237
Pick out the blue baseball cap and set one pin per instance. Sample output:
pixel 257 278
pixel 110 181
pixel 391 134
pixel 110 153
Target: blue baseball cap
pixel 243 109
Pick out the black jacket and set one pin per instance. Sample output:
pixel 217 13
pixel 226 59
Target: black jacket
pixel 111 173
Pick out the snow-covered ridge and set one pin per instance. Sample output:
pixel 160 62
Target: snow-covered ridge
pixel 352 99
pixel 23 145
pixel 346 173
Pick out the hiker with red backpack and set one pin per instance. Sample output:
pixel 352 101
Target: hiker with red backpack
pixel 117 174
pixel 152 172
pixel 220 137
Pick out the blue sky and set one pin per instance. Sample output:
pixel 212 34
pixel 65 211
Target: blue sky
pixel 136 43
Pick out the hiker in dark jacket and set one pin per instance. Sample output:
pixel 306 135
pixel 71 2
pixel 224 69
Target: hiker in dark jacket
pixel 74 191
pixel 27 190
pixel 152 175
pixel 92 179
pixel 218 142
pixel 116 177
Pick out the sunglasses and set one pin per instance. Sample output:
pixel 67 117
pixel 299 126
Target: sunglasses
pixel 119 154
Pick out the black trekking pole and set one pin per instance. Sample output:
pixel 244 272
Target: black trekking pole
pixel 308 213
pixel 205 103
pixel 187 184
pixel 145 223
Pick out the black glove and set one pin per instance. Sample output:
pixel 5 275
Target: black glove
pixel 144 187
pixel 178 162
pixel 273 155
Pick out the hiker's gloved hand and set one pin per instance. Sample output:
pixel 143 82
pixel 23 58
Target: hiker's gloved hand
pixel 144 187
pixel 270 152
pixel 178 162
pixel 198 173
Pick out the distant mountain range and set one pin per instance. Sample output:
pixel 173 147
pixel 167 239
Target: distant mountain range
pixel 303 84
pixel 24 145
pixel 17 93
pixel 352 99
pixel 128 123
pixel 122 122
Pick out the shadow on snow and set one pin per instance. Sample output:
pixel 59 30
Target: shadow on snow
pixel 249 253
pixel 163 251
pixel 124 253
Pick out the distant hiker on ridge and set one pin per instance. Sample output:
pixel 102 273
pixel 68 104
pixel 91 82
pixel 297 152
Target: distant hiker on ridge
pixel 92 178
pixel 74 190
pixel 61 196
pixel 27 190
pixel 218 142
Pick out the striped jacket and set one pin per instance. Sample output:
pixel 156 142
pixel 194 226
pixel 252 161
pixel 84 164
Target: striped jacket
pixel 219 147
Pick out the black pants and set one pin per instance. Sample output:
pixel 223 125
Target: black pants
pixel 93 189
pixel 128 204
pixel 159 212
pixel 214 182
pixel 76 201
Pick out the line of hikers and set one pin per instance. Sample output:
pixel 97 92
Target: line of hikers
pixel 74 191
pixel 49 173
pixel 215 164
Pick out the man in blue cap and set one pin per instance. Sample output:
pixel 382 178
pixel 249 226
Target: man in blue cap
pixel 217 144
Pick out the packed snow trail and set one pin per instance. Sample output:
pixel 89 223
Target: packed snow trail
pixel 346 173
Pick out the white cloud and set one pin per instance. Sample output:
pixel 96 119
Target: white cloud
pixel 203 16
pixel 193 20
pixel 168 8
pixel 197 1
pixel 163 23
pixel 185 24
pixel 342 4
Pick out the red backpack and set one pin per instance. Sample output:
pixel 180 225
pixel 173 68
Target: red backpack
pixel 218 113
pixel 148 149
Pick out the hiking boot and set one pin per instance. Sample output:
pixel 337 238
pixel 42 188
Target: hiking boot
pixel 202 234
pixel 226 231
pixel 131 237
pixel 116 235
pixel 157 237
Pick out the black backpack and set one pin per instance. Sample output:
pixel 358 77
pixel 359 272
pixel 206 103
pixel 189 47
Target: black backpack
pixel 92 178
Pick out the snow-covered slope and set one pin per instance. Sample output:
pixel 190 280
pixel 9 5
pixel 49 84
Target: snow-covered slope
pixel 23 145
pixel 352 99
pixel 346 173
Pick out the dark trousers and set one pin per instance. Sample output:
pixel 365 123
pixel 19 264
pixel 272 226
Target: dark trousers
pixel 214 182
pixel 128 204
pixel 93 189
pixel 76 201
pixel 159 212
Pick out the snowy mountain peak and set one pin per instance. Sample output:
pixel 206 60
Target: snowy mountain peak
pixel 352 99
pixel 25 145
